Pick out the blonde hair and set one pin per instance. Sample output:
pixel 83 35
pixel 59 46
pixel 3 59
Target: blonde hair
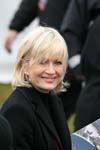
pixel 42 42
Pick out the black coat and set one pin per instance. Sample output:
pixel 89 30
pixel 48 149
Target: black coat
pixel 77 21
pixel 6 138
pixel 81 29
pixel 28 10
pixel 32 126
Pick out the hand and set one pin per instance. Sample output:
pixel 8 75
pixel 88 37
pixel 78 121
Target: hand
pixel 9 39
pixel 97 147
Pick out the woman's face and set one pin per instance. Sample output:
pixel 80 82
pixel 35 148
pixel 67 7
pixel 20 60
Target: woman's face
pixel 45 75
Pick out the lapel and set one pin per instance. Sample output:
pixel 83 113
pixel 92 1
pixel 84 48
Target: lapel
pixel 46 119
pixel 40 110
pixel 60 121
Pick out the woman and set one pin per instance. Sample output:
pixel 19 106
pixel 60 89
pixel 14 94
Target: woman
pixel 34 111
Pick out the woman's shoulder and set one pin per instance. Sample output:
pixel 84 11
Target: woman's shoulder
pixel 16 101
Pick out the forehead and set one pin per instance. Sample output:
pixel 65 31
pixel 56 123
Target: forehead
pixel 50 52
pixel 48 58
pixel 56 57
pixel 51 57
pixel 53 54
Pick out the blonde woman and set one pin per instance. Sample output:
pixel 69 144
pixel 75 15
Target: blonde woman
pixel 33 109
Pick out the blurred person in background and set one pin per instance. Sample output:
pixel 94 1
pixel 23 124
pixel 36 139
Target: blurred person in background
pixel 50 13
pixel 81 29
pixel 33 109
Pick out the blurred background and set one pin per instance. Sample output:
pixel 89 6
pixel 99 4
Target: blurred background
pixel 7 60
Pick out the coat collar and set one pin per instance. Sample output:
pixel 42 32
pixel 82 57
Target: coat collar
pixel 42 113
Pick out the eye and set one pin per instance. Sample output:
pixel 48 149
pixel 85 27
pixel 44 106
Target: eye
pixel 42 62
pixel 58 62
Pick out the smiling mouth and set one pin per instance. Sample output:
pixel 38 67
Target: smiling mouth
pixel 49 80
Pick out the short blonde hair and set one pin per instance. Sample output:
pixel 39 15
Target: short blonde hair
pixel 43 42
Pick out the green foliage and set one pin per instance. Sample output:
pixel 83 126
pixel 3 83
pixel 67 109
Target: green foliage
pixel 5 90
pixel 71 123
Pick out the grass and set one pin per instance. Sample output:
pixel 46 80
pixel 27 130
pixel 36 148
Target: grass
pixel 5 91
pixel 71 123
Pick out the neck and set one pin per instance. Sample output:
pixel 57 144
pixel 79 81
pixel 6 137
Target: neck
pixel 42 90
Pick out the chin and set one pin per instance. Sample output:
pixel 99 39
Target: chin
pixel 48 88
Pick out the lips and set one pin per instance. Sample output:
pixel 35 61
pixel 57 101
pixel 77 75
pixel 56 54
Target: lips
pixel 49 80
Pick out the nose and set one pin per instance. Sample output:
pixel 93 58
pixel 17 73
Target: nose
pixel 50 68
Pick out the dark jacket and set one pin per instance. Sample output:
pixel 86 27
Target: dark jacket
pixel 53 13
pixel 27 11
pixel 77 21
pixel 32 126
pixel 50 13
pixel 6 138
pixel 81 29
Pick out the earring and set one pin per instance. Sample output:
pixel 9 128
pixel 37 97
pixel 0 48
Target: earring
pixel 27 79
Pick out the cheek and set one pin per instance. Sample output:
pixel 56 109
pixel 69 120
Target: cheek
pixel 35 74
pixel 61 72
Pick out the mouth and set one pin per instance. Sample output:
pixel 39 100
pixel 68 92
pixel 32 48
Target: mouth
pixel 49 79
